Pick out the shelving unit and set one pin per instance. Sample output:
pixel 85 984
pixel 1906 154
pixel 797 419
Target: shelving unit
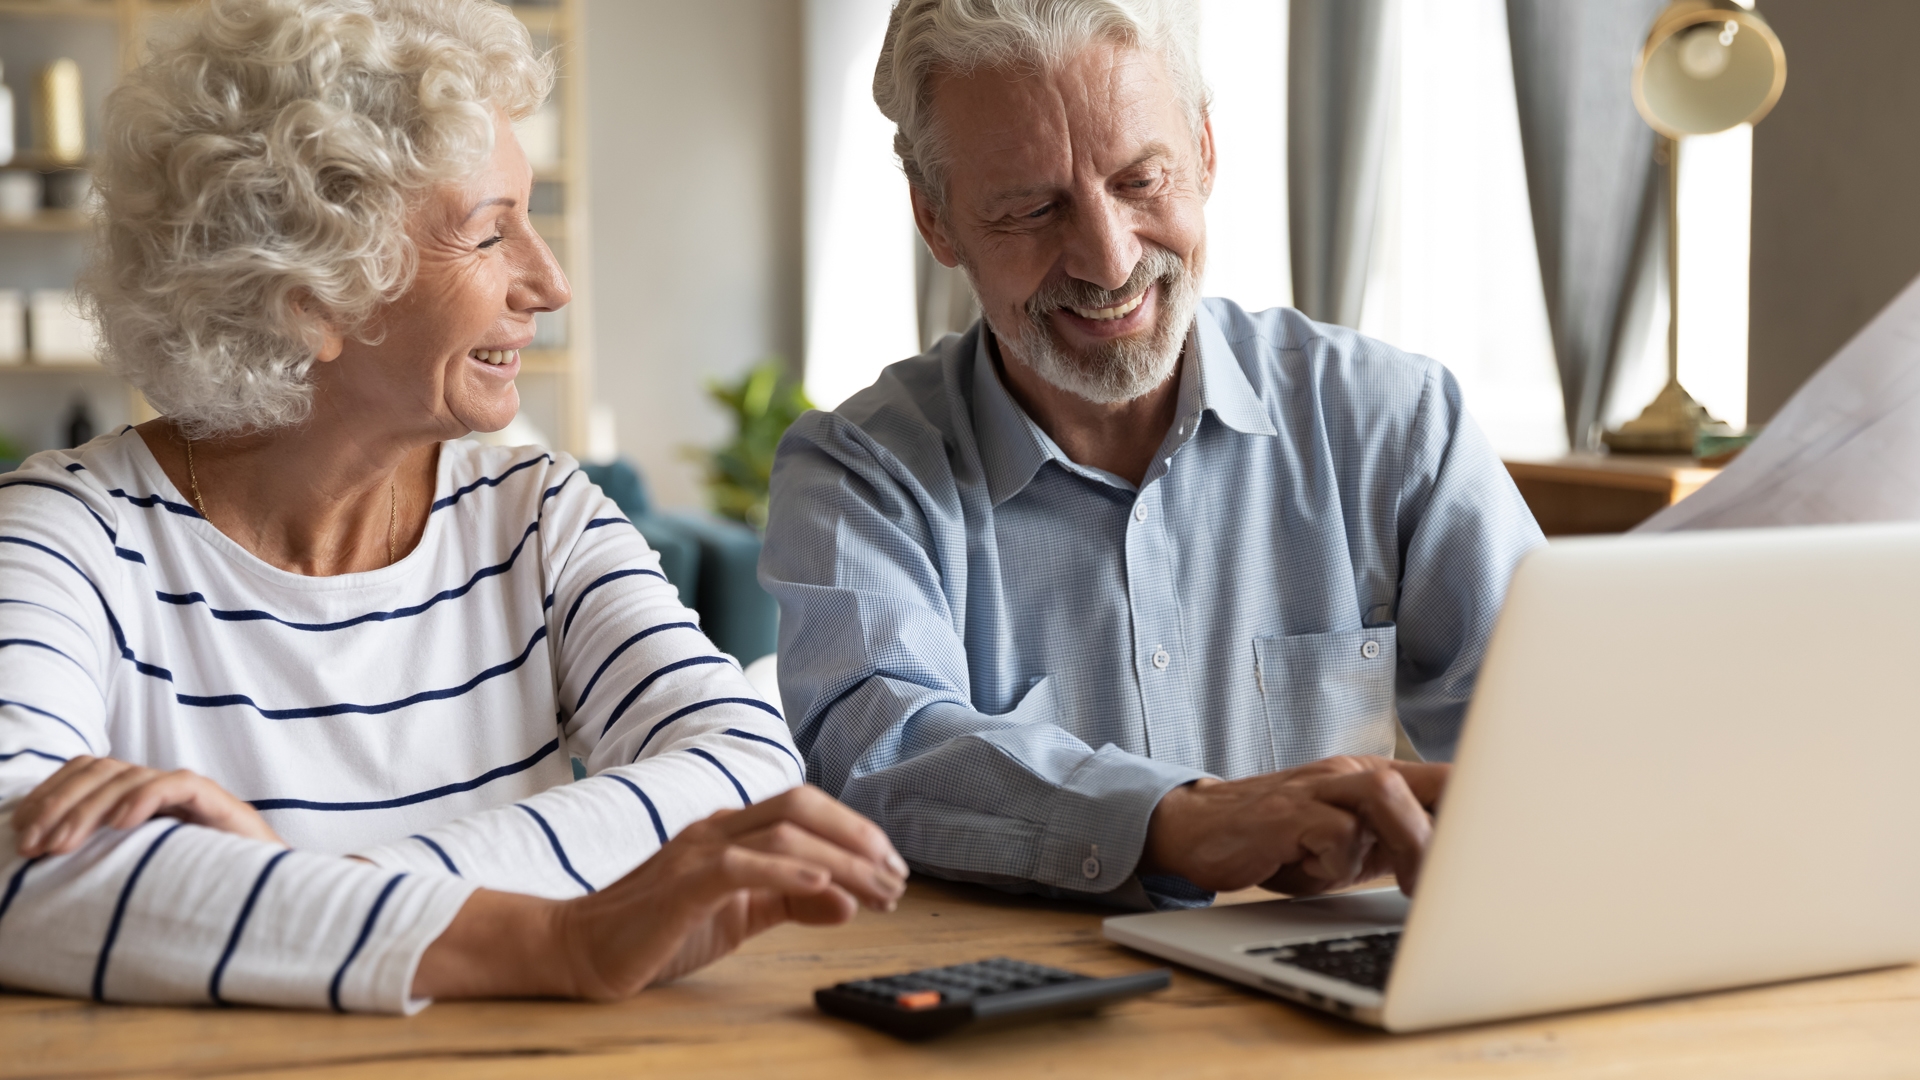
pixel 555 376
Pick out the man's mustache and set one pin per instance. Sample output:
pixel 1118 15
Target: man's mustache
pixel 1156 265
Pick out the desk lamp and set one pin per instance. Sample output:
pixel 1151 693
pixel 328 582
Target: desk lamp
pixel 1707 65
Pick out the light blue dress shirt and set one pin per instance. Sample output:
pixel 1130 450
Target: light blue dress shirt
pixel 1006 658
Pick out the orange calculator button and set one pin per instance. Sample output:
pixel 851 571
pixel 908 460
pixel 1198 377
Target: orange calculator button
pixel 919 999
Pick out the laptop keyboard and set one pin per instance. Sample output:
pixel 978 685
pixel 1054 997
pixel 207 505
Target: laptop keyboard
pixel 1364 959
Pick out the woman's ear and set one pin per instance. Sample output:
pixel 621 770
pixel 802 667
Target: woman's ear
pixel 332 342
pixel 328 341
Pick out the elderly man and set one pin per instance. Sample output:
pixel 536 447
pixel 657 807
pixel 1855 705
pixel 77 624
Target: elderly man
pixel 1117 593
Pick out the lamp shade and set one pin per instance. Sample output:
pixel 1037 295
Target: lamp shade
pixel 1708 65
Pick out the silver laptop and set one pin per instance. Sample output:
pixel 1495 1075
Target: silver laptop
pixel 1687 766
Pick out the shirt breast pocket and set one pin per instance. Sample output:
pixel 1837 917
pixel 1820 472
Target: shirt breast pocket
pixel 1327 694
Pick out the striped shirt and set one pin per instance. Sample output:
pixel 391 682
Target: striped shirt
pixel 428 716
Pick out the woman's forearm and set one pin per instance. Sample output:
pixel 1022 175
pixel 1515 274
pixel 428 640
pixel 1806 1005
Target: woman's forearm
pixel 501 944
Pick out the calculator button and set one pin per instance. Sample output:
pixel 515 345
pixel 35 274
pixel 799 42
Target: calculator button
pixel 919 999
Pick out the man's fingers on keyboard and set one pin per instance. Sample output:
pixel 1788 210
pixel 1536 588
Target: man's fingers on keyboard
pixel 1386 805
pixel 1426 779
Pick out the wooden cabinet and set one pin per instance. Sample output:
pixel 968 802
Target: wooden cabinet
pixel 1604 493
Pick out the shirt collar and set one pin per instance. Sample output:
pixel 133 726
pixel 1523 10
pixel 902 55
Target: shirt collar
pixel 1013 447
pixel 1224 389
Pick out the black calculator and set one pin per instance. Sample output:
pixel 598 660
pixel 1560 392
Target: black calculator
pixel 934 1001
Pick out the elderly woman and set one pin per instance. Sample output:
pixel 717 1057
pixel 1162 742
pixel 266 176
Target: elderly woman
pixel 293 683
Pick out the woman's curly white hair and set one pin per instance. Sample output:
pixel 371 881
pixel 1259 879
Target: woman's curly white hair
pixel 256 180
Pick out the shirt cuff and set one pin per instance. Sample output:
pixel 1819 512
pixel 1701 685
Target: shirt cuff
pixel 1097 823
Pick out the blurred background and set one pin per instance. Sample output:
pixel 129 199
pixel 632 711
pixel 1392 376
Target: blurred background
pixel 717 180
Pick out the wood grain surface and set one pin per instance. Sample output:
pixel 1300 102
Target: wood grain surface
pixel 752 1015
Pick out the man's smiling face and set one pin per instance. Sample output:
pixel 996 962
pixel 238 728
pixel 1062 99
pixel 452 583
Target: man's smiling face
pixel 1074 199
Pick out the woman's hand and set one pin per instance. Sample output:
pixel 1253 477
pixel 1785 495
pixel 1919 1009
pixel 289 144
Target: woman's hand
pixel 801 857
pixel 89 794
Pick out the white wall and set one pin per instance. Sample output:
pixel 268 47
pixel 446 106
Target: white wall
pixel 694 118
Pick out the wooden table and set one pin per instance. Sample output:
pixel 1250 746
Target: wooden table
pixel 1604 493
pixel 752 1015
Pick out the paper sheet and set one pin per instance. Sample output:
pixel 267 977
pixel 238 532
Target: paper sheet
pixel 1845 448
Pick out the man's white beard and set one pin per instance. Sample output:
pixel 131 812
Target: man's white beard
pixel 1116 371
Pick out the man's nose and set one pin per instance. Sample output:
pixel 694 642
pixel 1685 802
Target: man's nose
pixel 1101 248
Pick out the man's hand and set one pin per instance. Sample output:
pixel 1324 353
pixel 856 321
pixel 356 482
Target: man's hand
pixel 1301 831
pixel 89 794
pixel 801 857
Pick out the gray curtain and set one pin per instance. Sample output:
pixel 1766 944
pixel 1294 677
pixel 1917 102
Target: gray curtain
pixel 1591 180
pixel 1341 60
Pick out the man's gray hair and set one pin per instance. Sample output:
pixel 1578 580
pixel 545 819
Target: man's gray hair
pixel 926 38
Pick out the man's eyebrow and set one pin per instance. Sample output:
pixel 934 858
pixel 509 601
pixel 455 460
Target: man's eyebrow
pixel 500 200
pixel 1013 195
pixel 1018 194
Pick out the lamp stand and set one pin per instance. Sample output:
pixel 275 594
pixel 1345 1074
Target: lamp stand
pixel 1673 422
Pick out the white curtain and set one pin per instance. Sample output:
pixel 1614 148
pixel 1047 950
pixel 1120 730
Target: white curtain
pixel 1243 54
pixel 1454 274
pixel 860 288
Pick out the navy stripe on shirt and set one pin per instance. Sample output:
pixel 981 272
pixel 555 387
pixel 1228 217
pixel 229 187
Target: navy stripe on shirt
pixel 438 850
pixel 744 800
pixel 240 925
pixel 113 538
pixel 641 686
pixel 33 753
pixel 113 623
pixel 32 644
pixel 120 912
pixel 44 607
pixel 696 707
pixel 215 701
pixel 250 615
pixel 366 931
pixel 659 827
pixel 620 648
pixel 148 502
pixel 14 882
pixel 596 583
pixel 738 734
pixel 429 795
pixel 75 496
pixel 84 741
pixel 486 481
pixel 565 863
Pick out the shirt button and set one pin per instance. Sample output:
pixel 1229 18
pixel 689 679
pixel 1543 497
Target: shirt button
pixel 1371 650
pixel 1090 868
pixel 1139 511
pixel 1161 659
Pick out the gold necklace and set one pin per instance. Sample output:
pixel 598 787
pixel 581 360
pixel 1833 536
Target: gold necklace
pixel 393 504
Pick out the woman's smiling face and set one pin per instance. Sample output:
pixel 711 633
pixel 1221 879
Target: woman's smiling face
pixel 444 356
